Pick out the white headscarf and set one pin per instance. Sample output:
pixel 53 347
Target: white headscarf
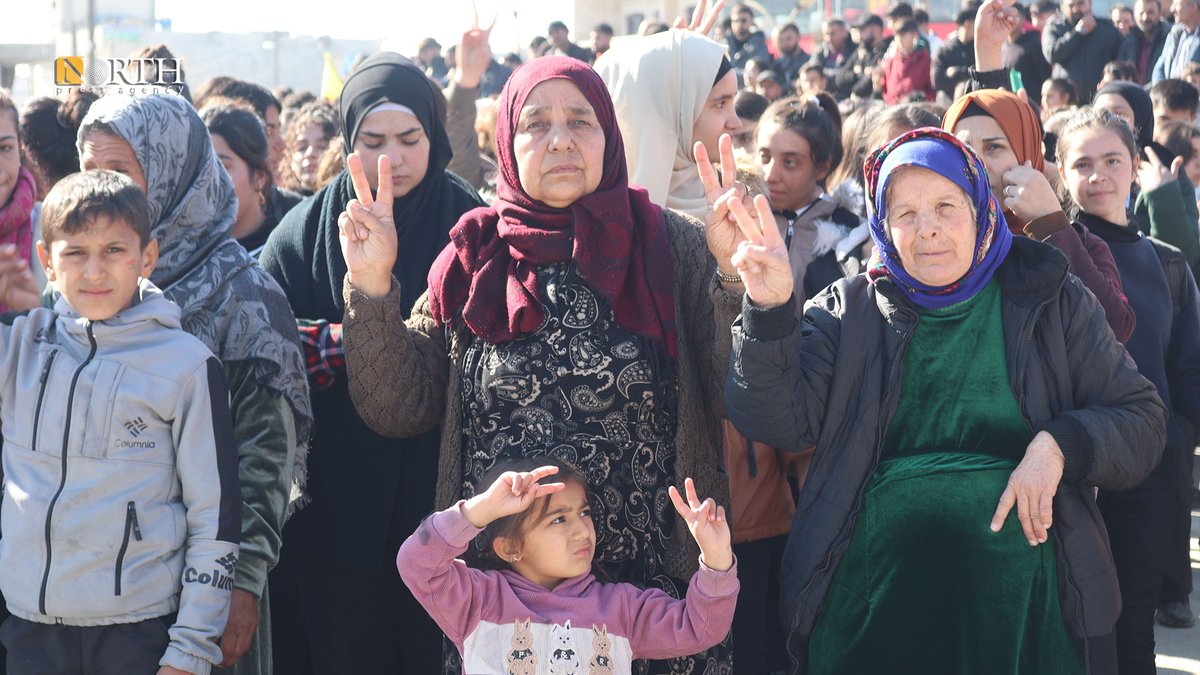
pixel 659 84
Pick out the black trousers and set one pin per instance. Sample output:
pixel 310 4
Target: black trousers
pixel 1177 585
pixel 50 649
pixel 329 618
pixel 757 630
pixel 1140 523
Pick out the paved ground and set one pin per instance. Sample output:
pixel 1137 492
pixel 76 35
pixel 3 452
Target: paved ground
pixel 1179 649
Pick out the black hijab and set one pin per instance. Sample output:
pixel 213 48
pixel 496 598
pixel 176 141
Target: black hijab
pixel 1139 101
pixel 423 217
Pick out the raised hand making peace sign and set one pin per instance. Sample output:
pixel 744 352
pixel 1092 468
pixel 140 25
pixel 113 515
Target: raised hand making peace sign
pixel 762 257
pixel 721 229
pixel 367 230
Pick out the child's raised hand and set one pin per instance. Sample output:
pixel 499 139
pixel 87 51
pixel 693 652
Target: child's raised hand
pixel 708 526
pixel 512 492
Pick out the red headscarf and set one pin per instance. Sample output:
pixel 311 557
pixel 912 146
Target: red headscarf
pixel 615 236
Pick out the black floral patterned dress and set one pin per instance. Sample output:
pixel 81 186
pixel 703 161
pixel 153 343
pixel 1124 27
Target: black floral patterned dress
pixel 603 399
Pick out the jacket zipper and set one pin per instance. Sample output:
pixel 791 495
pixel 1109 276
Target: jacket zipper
pixel 1026 338
pixel 37 411
pixel 131 525
pixel 63 480
pixel 849 527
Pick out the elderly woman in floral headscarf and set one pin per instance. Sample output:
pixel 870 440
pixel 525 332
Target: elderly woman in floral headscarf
pixel 234 308
pixel 948 521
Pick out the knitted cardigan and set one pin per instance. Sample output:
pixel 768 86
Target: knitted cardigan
pixel 405 377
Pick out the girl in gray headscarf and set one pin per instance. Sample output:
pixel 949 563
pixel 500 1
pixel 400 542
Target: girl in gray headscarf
pixel 235 308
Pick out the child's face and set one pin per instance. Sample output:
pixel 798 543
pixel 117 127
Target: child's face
pixel 1052 98
pixel 1098 171
pixel 559 545
pixel 97 269
pixel 786 161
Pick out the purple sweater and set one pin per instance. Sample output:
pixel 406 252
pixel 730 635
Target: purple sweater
pixel 502 622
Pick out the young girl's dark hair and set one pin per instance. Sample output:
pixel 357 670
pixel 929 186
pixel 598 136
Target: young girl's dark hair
pixel 815 119
pixel 481 555
pixel 1065 86
pixel 1090 118
pixel 244 133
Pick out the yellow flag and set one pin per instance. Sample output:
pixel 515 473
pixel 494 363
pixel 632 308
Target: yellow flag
pixel 331 82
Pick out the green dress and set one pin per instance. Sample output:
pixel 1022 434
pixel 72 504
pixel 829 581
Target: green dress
pixel 925 586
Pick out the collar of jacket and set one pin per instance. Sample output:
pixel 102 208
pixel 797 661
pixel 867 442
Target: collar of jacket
pixel 1031 274
pixel 149 305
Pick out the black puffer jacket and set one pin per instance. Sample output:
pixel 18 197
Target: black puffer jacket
pixel 795 385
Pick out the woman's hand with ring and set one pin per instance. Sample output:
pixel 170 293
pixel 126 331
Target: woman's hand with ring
pixel 721 228
pixel 367 230
pixel 1031 488
pixel 1028 194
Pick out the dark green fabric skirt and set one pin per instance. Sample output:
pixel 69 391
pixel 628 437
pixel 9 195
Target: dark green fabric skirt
pixel 926 587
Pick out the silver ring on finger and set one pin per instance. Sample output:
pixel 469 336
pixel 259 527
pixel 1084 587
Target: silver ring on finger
pixel 1010 191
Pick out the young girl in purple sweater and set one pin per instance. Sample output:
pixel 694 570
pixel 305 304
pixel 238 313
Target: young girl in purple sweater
pixel 541 611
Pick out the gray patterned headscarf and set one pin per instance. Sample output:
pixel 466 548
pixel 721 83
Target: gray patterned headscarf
pixel 227 300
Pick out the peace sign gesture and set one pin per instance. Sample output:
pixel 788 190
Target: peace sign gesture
pixel 706 521
pixel 762 258
pixel 721 229
pixel 700 23
pixel 474 53
pixel 367 230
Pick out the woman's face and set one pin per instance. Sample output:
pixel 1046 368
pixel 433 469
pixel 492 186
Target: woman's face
pixel 984 135
pixel 401 137
pixel 787 164
pixel 930 222
pixel 558 144
pixel 247 184
pixel 1098 171
pixel 311 143
pixel 1117 105
pixel 102 150
pixel 1052 98
pixel 10 156
pixel 274 136
pixel 717 116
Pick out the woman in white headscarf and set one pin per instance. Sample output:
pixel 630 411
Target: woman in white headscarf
pixel 671 90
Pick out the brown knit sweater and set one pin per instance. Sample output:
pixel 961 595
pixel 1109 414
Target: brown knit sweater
pixel 405 377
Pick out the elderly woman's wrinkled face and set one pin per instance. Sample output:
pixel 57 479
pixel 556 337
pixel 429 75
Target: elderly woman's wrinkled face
pixel 718 115
pixel 400 136
pixel 930 221
pixel 103 150
pixel 984 135
pixel 558 144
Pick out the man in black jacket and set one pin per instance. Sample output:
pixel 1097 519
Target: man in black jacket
pixel 854 76
pixel 951 63
pixel 1145 42
pixel 836 47
pixel 1078 44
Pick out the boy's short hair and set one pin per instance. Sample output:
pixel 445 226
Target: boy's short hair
pixel 1177 137
pixel 908 26
pixel 76 201
pixel 1174 94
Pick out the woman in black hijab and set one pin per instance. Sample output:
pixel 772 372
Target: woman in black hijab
pixel 1169 213
pixel 335 589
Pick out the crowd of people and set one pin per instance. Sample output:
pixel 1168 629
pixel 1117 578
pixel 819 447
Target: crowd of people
pixel 707 354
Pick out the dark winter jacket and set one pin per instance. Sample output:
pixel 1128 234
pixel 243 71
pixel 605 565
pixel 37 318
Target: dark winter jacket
pixel 951 64
pixel 1136 42
pixel 1025 56
pixel 792 385
pixel 1080 57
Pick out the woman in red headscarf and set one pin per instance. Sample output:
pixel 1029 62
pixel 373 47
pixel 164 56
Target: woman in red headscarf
pixel 1007 135
pixel 573 318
